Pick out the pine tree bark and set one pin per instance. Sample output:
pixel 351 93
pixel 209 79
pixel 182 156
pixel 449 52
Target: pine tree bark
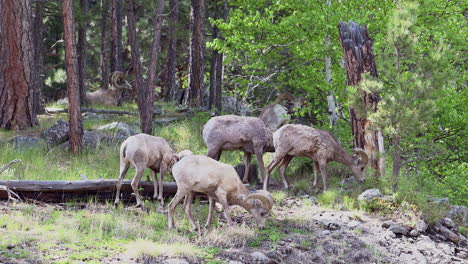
pixel 359 58
pixel 158 17
pixel 104 52
pixel 74 112
pixel 81 49
pixel 17 66
pixel 193 96
pixel 217 67
pixel 116 36
pixel 144 107
pixel 39 52
pixel 171 51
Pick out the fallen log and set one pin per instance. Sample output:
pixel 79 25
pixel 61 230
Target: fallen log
pixel 62 191
pixel 90 110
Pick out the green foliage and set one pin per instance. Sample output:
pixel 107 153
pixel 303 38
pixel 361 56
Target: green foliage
pixel 328 198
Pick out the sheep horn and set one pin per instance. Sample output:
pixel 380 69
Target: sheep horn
pixel 118 80
pixel 362 154
pixel 264 197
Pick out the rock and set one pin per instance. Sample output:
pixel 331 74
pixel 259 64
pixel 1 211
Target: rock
pixel 165 120
pixel 449 234
pixel 231 105
pixel 325 233
pixel 437 200
pixel 121 130
pixel 314 200
pixel 414 233
pixel 57 133
pixel 276 117
pixel 459 214
pixel 369 195
pixel 23 142
pixel 421 226
pixel 260 257
pixel 352 224
pixel 398 229
pixel 330 224
pixel 91 139
pixel 448 222
pixel 175 261
pixel 387 223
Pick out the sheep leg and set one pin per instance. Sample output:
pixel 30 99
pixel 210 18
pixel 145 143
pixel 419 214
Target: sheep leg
pixel 323 170
pixel 282 170
pixel 172 205
pixel 316 171
pixel 248 157
pixel 135 183
pixel 210 212
pixel 155 182
pixel 188 209
pixel 162 173
pixel 222 198
pixel 276 160
pixel 214 153
pixel 259 155
pixel 123 170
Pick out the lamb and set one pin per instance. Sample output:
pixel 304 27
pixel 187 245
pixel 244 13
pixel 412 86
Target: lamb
pixel 230 132
pixel 319 145
pixel 220 182
pixel 110 96
pixel 143 151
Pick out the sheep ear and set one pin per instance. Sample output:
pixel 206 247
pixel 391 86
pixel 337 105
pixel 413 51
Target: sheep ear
pixel 264 197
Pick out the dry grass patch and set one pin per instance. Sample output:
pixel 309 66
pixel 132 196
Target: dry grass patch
pixel 228 237
pixel 140 248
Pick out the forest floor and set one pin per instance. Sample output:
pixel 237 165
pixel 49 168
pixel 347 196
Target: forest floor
pixel 298 231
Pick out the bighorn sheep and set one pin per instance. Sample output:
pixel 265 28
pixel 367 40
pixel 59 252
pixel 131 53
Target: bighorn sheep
pixel 143 151
pixel 201 174
pixel 111 96
pixel 275 115
pixel 319 145
pixel 230 132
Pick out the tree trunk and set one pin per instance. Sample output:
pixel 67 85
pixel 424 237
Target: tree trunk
pixel 396 161
pixel 214 60
pixel 104 52
pixel 74 113
pixel 359 58
pixel 144 108
pixel 38 29
pixel 116 36
pixel 17 66
pixel 154 53
pixel 193 96
pixel 171 51
pixel 81 49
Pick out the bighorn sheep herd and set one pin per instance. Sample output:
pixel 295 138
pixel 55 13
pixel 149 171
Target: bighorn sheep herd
pixel 219 181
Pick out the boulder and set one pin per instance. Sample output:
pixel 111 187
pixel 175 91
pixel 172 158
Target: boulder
pixel 91 139
pixel 276 117
pixel 26 142
pixel 421 226
pixel 369 195
pixel 231 105
pixel 387 223
pixel 259 257
pixel 57 133
pixel 459 214
pixel 449 234
pixel 398 229
pixel 120 130
pixel 448 222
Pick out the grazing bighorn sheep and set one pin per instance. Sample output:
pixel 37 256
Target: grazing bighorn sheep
pixel 111 96
pixel 143 151
pixel 319 145
pixel 201 174
pixel 230 132
pixel 275 115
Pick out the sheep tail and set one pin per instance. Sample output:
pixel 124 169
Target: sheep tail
pixel 124 150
